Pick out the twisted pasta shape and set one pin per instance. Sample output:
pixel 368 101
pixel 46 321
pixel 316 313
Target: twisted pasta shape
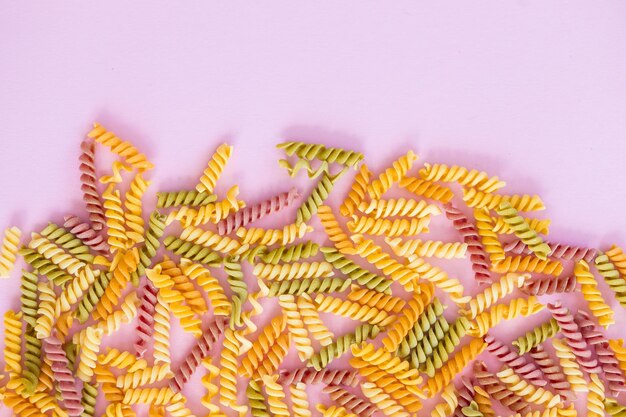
pixel 451 286
pixel 256 399
pixel 483 401
pixel 390 228
pixel 355 272
pixel 405 322
pixel 312 321
pixel 617 345
pixel 357 191
pixel 342 344
pixel 88 399
pixel 454 365
pixel 124 263
pixel 522 230
pixel 352 310
pixel 256 212
pixel 495 389
pixel 133 214
pixel 478 255
pixel 154 396
pixel 614 409
pixel 303 164
pixel 228 372
pixel 373 298
pixel 383 401
pixel 398 207
pixel 427 248
pixel 210 285
pixel 275 396
pixel 334 411
pixel 427 189
pixel 499 289
pixel 88 353
pixel 444 345
pixel 617 257
pixel 596 397
pixel 299 400
pixel 472 410
pixel 589 289
pixel 307 285
pixel 350 402
pixel 428 340
pixel 284 236
pixel 550 285
pixel 296 327
pixel 366 354
pixel 291 253
pixel 541 226
pixel 28 297
pixel 309 376
pixel 536 336
pixel 489 238
pixel 213 212
pixel 333 230
pixel 145 322
pixel 553 372
pixel 44 266
pixel 32 361
pixel 480 199
pixel 201 350
pixel 212 240
pixel 238 287
pixel 144 376
pixel 93 296
pixel 572 371
pixel 89 184
pixel 260 347
pixel 612 277
pixel 57 255
pixel 310 152
pixel 477 179
pixel 114 213
pixel 518 307
pixel 517 363
pixel 66 383
pixel 214 168
pixel 86 234
pixel 449 404
pixel 391 175
pixel 465 396
pixel 156 226
pixel 13 348
pixel 161 336
pixel 317 197
pixel 431 316
pixel 67 241
pixel 531 393
pixel 294 270
pixel 528 263
pixel 184 198
pixel 192 251
pixel 184 285
pixel 124 149
pixel 74 291
pixel 45 310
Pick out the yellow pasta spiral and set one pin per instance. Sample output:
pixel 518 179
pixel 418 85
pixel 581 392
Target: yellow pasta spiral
pixel 427 248
pixel 212 240
pixel 228 372
pixel 529 392
pixel 115 220
pixel 214 169
pixel 13 347
pixel 391 175
pixel 88 353
pixel 427 189
pixel 56 254
pixel 528 263
pixel 595 398
pixel 480 199
pixel 155 396
pixel 570 366
pixel 123 265
pixel 379 300
pixel 518 307
pixel 8 251
pixel 455 364
pixel 133 213
pixel 449 404
pixel 405 322
pixel 488 237
pixel 357 191
pixel 383 400
pixel 477 179
pixel 440 278
pixel 211 388
pixel 390 228
pixel 144 376
pixel 74 291
pixel 499 289
pixel 298 332
pixel 334 411
pixel 124 149
pixel 312 320
pixel 299 400
pixel 538 225
pixel 284 236
pixel 366 354
pixel 46 311
pixel 212 212
pixel 275 396
pixel 589 288
pixel 350 309
pixel 399 207
pixel 333 229
pixel 211 286
pixel 161 333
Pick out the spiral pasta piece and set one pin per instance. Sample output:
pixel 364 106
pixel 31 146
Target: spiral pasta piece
pixel 491 387
pixel 28 297
pixel 571 369
pixel 306 285
pixel 553 372
pixel 427 189
pixel 433 274
pixel 184 198
pixel 349 401
pixel 469 178
pixel 284 236
pixel 431 318
pixel 550 285
pixel 312 321
pixel 89 184
pixel 425 343
pixel 353 310
pixel 596 397
pixel 310 376
pixel 355 272
pixel 342 344
pixel 275 396
pixel 45 310
pixel 88 353
pixel 296 327
pixel 398 207
pixel 161 335
pixel 294 270
pixel 115 221
pixel 256 399
pixel 499 289
pixel 390 228
pixel 454 365
pixel 489 238
pixel 518 307
pixel 228 371
pixel 317 197
pixel 472 410
pixel 124 149
pixel 465 395
pixel 67 384
pixel 133 213
pixel 357 192
pixel 405 322
pixel 333 230
pixel 391 175
pixel 69 242
pixel 310 152
pixel 8 251
pixel 427 248
pixel 383 401
pixel 261 346
pixel 518 364
pixel 366 355
pixel 483 401
pixel 450 402
pixel 211 240
pixel 32 361
pixel 192 251
pixel 531 393
pixel 536 336
pixel 56 254
pixel 124 263
pixel 522 230
pixel 299 400
pixel 480 199
pixel 209 213
pixel 74 291
pixel 541 226
pixel 184 285
pixel 86 234
pixel 589 289
pixel 144 376
pixel 377 299
pixel 528 263
pixel 211 388
pixel 611 275
pixel 214 168
pixel 443 346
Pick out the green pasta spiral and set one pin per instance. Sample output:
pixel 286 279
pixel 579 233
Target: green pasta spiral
pixel 612 277
pixel 340 346
pixel 151 245
pixel 68 241
pixel 291 253
pixel 427 319
pixel 256 400
pixel 308 285
pixel 88 400
pixel 311 151
pixel 32 360
pixel 536 336
pixel 316 198
pixel 238 286
pixel 445 346
pixel 471 410
pixel 613 408
pixel 92 297
pixel 254 252
pixel 45 266
pixel 355 272
pixel 28 298
pixel 184 198
pixel 428 342
pixel 193 251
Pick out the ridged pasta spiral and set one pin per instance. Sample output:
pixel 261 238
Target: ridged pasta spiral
pixel 88 353
pixel 312 320
pixel 88 399
pixel 427 189
pixel 156 226
pixel 478 255
pixel 449 403
pixel 355 272
pixel 66 383
pixel 517 307
pixel 45 310
pixel 518 363
pixel 67 241
pixel 357 191
pixel 531 393
pixel 405 321
pixel 553 372
pixel 208 239
pixel 299 400
pixel 124 149
pixel 469 178
pixel 56 254
pixel 454 365
pixel 256 399
pixel 437 276
pixel 391 175
pixel 366 355
pixel 89 184
pixel 310 152
pixel 489 238
pixel 192 251
pixel 536 336
pixel 490 295
pixel 32 361
pixel 261 346
pixel 288 234
pixel 214 168
pixel 443 346
pixel 238 287
pixel 125 263
pixel 465 395
pixel 589 288
pixel 333 230
pixel 398 207
pixel 541 226
pixel 211 286
pixel 522 230
pixel 145 322
pixel 256 212
pixel 13 328
pixel 298 331
pixel 472 410
pixel 200 350
pixel 161 335
pixel 155 396
pixel 480 199
pixel 351 402
pixel 383 401
pixel 184 285
pixel 430 317
pixel 614 409
pixel 528 263
pixel 275 396
pixel 228 372
pixel 295 270
pixel 571 369
pixel 75 290
pixel 86 234
pixel 483 400
pixel 425 342
pixel 309 376
pixel 387 227
pixel 184 198
pixel 28 297
pixel 44 266
pixel 551 285
pixel 494 388
pixel 318 195
pixel 292 253
pixel 133 214
pixel 342 344
pixel 427 248
pixel 209 213
pixel 611 275
pixel 377 299
pixel 93 296
pixel 144 376
pixel 306 285
pixel 596 397
pixel 114 214
pixel 617 257
pixel 353 310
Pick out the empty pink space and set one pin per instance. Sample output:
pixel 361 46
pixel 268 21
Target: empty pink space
pixel 531 91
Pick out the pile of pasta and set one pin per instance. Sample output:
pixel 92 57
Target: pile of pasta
pixel 114 265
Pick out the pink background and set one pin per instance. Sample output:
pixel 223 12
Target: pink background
pixel 534 92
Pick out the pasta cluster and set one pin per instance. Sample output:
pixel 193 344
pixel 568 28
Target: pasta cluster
pixel 257 306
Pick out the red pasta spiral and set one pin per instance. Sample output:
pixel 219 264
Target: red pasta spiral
pixel 616 382
pixel 574 337
pixel 255 212
pixel 145 323
pixel 550 285
pixel 89 184
pixel 557 250
pixel 86 234
pixel 498 391
pixel 346 377
pixel 523 368
pixel 200 351
pixel 478 255
pixel 465 395
pixel 553 372
pixel 351 402
pixel 53 349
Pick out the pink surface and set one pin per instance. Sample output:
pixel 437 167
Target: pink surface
pixel 534 92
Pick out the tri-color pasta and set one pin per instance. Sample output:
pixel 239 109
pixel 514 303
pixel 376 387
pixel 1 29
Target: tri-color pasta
pixel 252 301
